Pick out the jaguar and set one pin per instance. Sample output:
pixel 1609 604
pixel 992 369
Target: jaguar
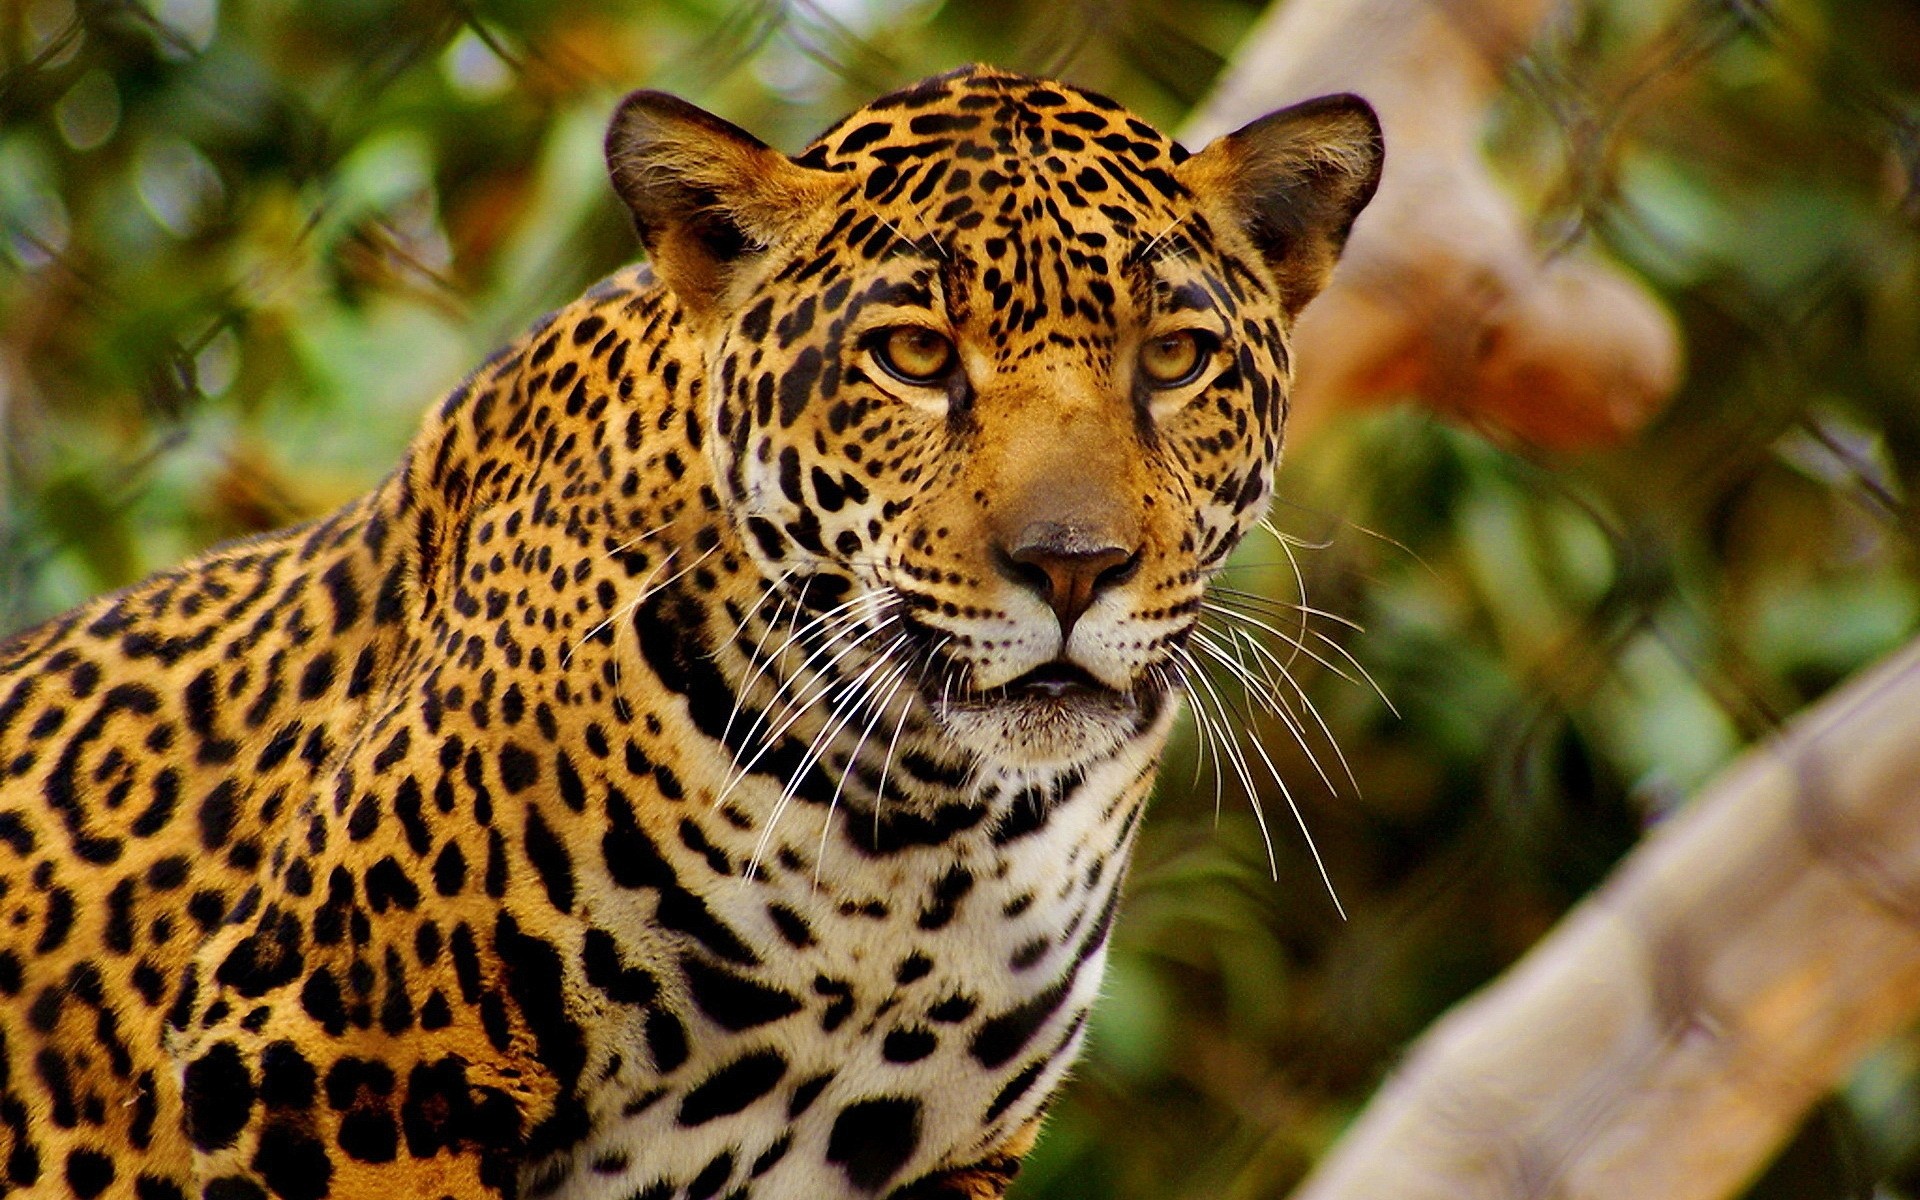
pixel 707 765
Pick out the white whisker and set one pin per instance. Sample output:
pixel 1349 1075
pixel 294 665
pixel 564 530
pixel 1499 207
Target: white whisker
pixel 1305 700
pixel 1234 755
pixel 831 727
pixel 892 684
pixel 636 539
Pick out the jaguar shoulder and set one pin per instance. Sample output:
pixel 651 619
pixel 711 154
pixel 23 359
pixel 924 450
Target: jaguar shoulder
pixel 707 765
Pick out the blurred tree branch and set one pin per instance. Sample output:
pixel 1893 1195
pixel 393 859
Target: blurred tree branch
pixel 1444 292
pixel 1676 1027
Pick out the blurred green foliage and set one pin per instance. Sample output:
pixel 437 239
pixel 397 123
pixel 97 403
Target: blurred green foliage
pixel 244 244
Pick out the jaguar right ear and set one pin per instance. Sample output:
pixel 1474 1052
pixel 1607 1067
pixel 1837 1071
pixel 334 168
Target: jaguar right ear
pixel 1294 181
pixel 704 193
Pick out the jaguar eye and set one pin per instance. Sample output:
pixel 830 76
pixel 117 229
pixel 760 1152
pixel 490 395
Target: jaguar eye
pixel 914 354
pixel 1175 358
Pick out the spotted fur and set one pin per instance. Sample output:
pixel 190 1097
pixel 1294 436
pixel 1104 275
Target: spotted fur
pixel 687 774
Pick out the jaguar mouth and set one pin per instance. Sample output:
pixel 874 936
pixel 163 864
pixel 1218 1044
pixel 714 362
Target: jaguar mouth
pixel 1055 716
pixel 1059 680
pixel 1060 687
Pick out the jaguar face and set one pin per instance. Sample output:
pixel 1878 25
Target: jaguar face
pixel 998 372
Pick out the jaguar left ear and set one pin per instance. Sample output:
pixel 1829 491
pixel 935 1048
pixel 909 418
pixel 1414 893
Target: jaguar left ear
pixel 1294 181
pixel 705 194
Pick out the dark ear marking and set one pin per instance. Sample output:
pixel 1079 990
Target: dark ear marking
pixel 1294 180
pixel 705 194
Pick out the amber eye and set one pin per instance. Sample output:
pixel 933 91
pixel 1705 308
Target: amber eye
pixel 913 354
pixel 1173 358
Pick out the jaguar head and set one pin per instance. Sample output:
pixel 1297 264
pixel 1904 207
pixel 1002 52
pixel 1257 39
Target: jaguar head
pixel 1001 370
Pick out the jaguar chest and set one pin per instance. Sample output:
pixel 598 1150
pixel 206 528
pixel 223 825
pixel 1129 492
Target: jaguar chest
pixel 844 1025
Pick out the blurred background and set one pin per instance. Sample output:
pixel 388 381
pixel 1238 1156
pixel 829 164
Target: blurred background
pixel 244 244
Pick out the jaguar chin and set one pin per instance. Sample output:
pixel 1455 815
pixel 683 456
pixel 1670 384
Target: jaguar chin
pixel 1053 719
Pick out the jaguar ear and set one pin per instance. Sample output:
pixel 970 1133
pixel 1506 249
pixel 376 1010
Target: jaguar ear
pixel 705 194
pixel 1294 181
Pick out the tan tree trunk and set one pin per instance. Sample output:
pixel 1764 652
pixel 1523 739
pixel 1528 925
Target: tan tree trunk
pixel 1676 1027
pixel 1443 291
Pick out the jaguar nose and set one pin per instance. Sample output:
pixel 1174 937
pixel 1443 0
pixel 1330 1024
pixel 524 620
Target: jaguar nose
pixel 1068 566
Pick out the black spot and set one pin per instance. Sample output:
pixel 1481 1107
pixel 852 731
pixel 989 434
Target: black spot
pixel 792 926
pixel 44 1013
pixel 450 870
pixel 771 1155
pixel 732 1001
pixel 293 1163
pixel 436 1013
pixel 317 677
pixel 207 907
pixel 712 1177
pixel 217 1093
pixel 804 1095
pixel 396 1010
pixel 1015 1088
pixel 51 1066
pixel 873 1139
pixel 1001 1037
pixel 859 139
pixel 632 858
pixel 119 930
pixel 938 122
pixel 345 595
pixel 287 1079
pixel 572 792
pixel 682 911
pixel 549 858
pixel 14 832
pixel 667 1040
pixel 218 812
pixel 953 1009
pixel 146 1110
pixel 695 839
pixel 796 383
pixel 406 806
pixel 466 962
pixel 537 983
pixel 733 1087
pixel 59 924
pixel 387 886
pixel 909 1045
pixel 1029 953
pixel 947 894
pixel 519 769
pixel 167 873
pixel 265 959
pixel 362 1090
pixel 320 999
pixel 606 971
pixel 496 877
pixel 831 495
pixel 232 1187
pixel 438 1106
pixel 754 323
pixel 901 828
pixel 790 475
pixel 150 1187
pixel 368 1133
pixel 88 1173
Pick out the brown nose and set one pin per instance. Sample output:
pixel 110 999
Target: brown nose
pixel 1069 567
